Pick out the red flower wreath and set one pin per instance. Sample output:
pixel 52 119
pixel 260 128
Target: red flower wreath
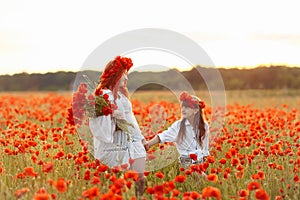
pixel 120 63
pixel 191 101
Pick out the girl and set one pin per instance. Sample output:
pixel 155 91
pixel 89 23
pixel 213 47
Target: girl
pixel 113 83
pixel 190 133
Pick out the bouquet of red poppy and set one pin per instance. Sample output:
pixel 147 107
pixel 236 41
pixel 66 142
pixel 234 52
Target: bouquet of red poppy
pixel 89 105
pixel 99 105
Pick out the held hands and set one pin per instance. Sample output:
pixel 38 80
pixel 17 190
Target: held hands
pixel 153 141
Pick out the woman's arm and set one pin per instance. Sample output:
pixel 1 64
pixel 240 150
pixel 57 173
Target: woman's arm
pixel 103 127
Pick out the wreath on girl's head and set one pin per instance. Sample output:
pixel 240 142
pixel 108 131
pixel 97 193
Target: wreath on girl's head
pixel 191 101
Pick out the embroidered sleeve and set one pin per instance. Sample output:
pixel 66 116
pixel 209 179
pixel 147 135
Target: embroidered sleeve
pixel 170 134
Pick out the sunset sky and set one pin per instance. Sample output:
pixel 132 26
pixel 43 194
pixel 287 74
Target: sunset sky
pixel 47 36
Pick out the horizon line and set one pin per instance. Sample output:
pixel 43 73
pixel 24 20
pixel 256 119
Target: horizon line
pixel 171 68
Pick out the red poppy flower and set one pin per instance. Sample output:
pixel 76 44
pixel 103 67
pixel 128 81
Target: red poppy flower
pixel 261 195
pixel 255 176
pixel 21 175
pixel 29 171
pixel 146 173
pixel 87 175
pixel 240 174
pixel 193 156
pixel 47 167
pixel 159 175
pixel 128 184
pixel 105 96
pixel 175 193
pixel 212 177
pixel 91 193
pixel 211 192
pixel 222 161
pixel 61 185
pixel 98 92
pixel 41 196
pixel 253 186
pixel 159 189
pixel 243 192
pixel 195 195
pixel 234 161
pixel 131 174
pixel 180 179
pixel 296 179
pixel 210 159
pixel 21 192
pixel 261 175
pixel 150 190
pixel 102 168
pixel 119 183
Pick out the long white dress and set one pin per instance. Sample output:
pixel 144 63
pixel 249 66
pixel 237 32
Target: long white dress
pixel 105 136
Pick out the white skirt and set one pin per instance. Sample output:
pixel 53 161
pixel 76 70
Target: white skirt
pixel 137 150
pixel 119 151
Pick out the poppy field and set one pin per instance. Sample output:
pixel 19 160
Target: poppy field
pixel 254 155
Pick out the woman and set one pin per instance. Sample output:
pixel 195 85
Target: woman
pixel 106 135
pixel 190 133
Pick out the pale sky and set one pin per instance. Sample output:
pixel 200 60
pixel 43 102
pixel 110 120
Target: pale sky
pixel 46 36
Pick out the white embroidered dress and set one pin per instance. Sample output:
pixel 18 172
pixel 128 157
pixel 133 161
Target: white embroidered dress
pixel 189 145
pixel 103 130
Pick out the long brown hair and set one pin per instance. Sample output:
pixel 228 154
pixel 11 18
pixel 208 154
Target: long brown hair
pixel 198 125
pixel 112 82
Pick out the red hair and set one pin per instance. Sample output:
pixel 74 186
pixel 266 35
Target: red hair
pixel 112 73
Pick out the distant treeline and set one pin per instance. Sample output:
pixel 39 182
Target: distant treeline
pixel 273 77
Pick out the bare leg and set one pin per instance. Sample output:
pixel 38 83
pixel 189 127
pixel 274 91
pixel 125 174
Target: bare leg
pixel 139 166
